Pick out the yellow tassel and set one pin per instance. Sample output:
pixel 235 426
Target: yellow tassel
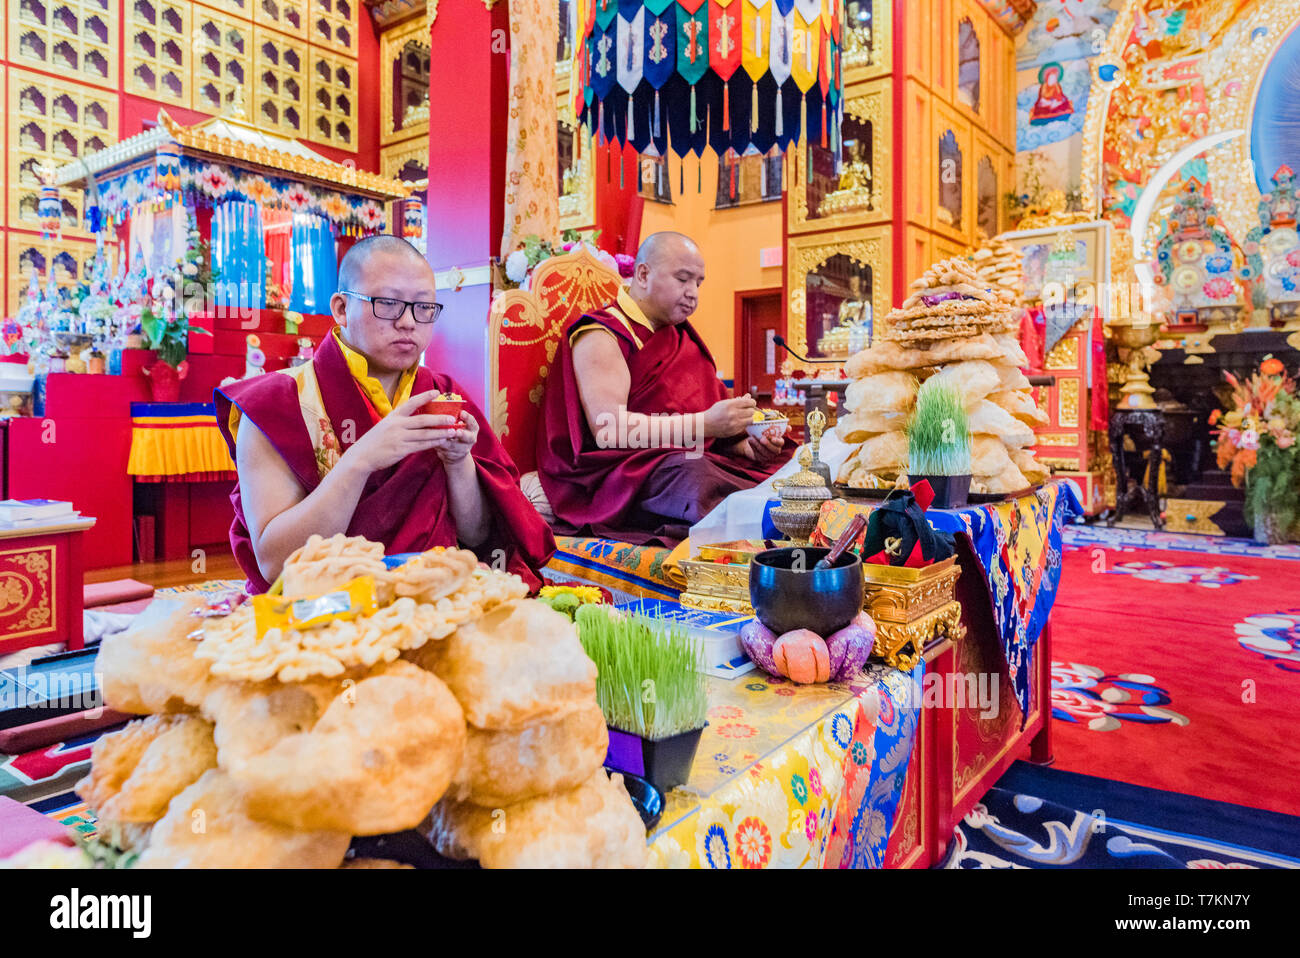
pixel 753 110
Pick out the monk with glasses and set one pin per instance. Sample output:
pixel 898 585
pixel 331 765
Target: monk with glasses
pixel 340 444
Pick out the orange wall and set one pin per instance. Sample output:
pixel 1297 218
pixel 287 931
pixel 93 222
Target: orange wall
pixel 730 240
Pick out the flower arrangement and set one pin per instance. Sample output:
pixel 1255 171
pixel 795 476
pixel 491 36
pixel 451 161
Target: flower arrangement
pixel 533 250
pixel 1257 439
pixel 164 320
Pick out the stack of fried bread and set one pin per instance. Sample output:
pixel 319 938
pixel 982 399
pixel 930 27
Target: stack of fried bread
pixel 274 747
pixel 999 268
pixel 954 326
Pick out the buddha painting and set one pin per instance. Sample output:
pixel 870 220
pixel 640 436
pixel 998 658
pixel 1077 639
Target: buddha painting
pixel 1052 103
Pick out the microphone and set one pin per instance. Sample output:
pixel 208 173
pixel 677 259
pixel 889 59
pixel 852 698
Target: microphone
pixel 780 341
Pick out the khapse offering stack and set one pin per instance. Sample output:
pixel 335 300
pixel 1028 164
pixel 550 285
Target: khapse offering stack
pixel 959 328
pixel 289 729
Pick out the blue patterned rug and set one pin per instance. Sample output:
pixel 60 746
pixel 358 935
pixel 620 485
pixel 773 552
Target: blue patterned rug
pixel 1032 819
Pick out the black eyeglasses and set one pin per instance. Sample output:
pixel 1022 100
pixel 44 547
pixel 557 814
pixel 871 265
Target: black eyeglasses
pixel 392 309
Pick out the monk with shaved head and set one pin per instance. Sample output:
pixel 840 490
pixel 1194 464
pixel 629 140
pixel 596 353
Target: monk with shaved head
pixel 639 437
pixel 340 444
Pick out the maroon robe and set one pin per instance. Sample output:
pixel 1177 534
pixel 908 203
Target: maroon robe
pixel 605 492
pixel 404 506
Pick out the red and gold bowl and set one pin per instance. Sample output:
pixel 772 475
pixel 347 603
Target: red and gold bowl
pixel 443 407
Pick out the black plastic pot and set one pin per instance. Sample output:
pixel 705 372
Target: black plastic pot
pixel 665 763
pixel 950 492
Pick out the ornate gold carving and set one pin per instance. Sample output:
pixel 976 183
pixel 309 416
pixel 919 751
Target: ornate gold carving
pixel 806 253
pixel 393 159
pixel 392 44
pixel 1067 391
pixel 869 53
pixel 34 591
pixel 1065 463
pixel 1192 515
pixel 726 580
pixel 713 603
pixel 902 645
pixel 1057 439
pixel 1064 355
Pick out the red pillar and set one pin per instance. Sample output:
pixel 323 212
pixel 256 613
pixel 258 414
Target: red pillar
pixel 469 105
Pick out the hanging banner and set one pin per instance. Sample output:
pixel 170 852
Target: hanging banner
pixel 756 30
pixel 806 47
pixel 631 49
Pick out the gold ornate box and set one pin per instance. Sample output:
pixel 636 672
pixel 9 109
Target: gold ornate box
pixel 721 586
pixel 912 608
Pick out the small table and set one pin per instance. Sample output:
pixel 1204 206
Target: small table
pixel 1151 424
pixel 40 584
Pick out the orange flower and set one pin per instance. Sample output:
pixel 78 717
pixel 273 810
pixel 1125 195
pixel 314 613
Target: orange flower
pixel 1224 453
pixel 1214 416
pixel 1245 459
pixel 1272 367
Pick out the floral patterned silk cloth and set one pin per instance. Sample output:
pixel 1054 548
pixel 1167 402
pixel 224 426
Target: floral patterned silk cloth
pixel 794 776
pixel 1018 543
pixel 532 201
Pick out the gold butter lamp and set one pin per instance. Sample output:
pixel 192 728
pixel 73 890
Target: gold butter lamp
pixel 1137 390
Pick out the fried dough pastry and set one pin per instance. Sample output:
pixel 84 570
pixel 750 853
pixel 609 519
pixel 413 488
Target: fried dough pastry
pixel 973 379
pixel 1010 377
pixel 882 393
pixel 1010 479
pixel 381 754
pixel 432 575
pixel 884 355
pixel 501 768
pixel 988 456
pixel 993 420
pixel 208 826
pixel 1020 403
pixel 236 652
pixel 592 826
pixel 520 663
pixel 1031 468
pixel 860 426
pixel 151 667
pixel 136 771
pixel 886 451
pixel 323 565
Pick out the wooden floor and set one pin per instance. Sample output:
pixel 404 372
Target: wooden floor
pixel 162 575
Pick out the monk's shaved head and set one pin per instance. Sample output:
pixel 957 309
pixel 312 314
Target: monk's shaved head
pixel 666 277
pixel 656 244
pixel 355 259
pixel 384 267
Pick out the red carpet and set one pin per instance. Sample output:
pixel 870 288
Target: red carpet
pixel 1180 671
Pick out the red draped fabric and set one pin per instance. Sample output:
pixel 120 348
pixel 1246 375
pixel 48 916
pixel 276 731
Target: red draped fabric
pixel 405 506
